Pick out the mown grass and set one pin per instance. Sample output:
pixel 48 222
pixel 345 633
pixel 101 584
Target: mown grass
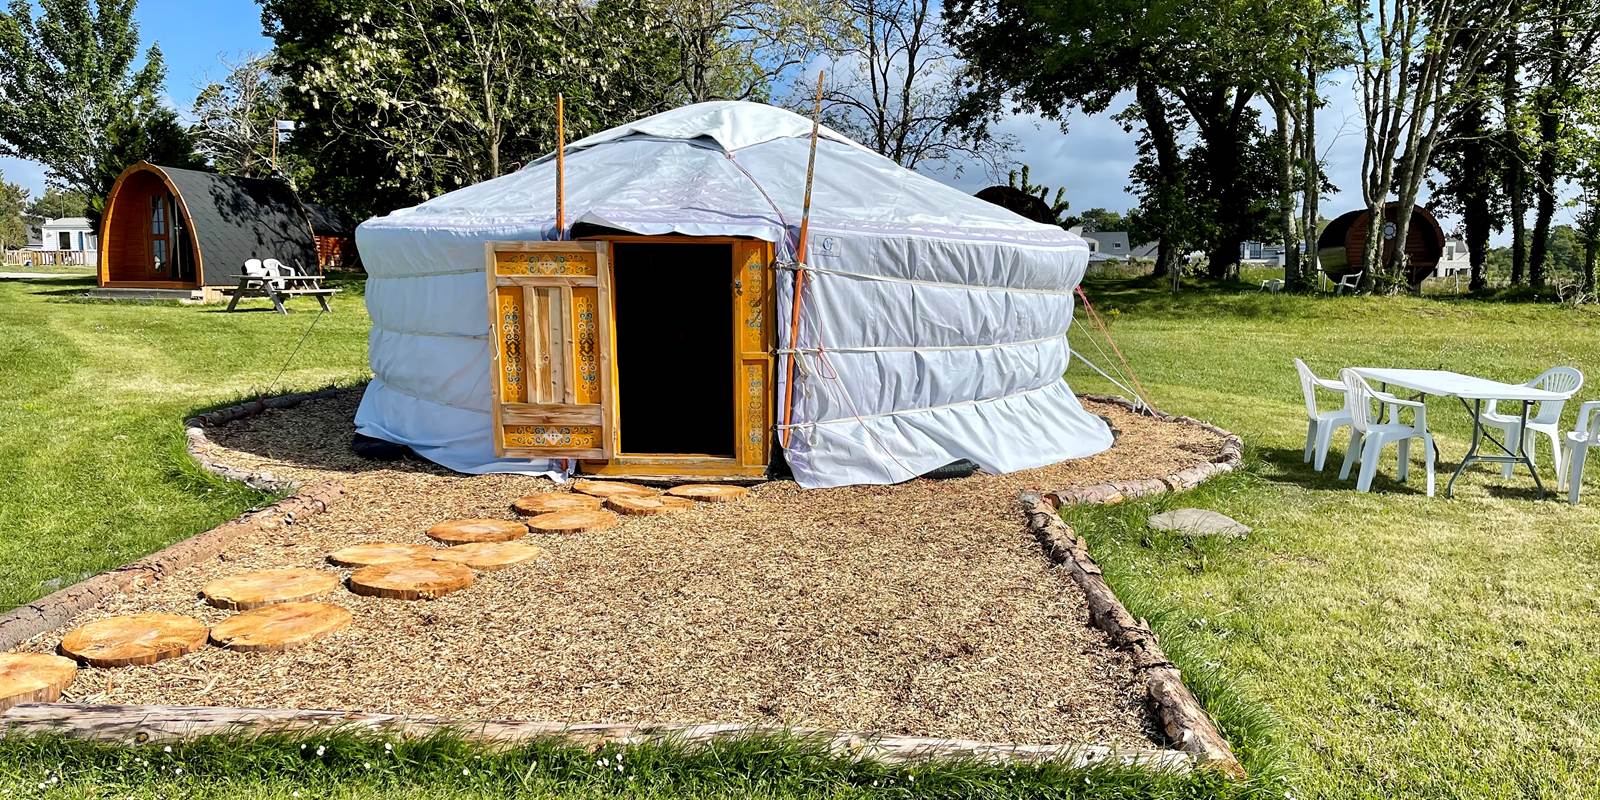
pixel 92 468
pixel 1408 646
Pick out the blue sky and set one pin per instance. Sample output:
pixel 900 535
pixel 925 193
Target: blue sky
pixel 1091 160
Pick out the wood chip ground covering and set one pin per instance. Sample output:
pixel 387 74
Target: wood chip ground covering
pixel 920 609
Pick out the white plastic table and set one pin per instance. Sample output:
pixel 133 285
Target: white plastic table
pixel 1444 383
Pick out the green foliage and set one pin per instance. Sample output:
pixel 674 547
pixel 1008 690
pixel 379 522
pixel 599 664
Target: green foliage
pixel 13 227
pixel 56 203
pixel 1100 219
pixel 1057 205
pixel 75 100
pixel 401 100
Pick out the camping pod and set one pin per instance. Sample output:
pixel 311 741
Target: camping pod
pixel 183 229
pixel 334 239
pixel 654 336
pixel 1342 243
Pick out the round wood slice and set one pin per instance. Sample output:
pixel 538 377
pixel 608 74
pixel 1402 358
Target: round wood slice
pixel 611 488
pixel 134 640
pixel 535 504
pixel 423 579
pixel 365 555
pixel 489 555
pixel 709 492
pixel 33 678
pixel 648 506
pixel 268 587
pixel 462 531
pixel 573 521
pixel 279 627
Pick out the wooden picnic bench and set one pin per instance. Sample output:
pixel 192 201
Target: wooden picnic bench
pixel 279 288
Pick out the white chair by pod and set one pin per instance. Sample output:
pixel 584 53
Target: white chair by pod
pixel 1320 424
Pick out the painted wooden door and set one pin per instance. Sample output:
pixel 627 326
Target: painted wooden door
pixel 550 325
pixel 753 320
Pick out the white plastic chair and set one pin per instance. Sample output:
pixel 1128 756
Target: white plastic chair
pixel 1546 420
pixel 253 268
pixel 1372 434
pixel 1569 467
pixel 1350 281
pixel 1273 285
pixel 1320 424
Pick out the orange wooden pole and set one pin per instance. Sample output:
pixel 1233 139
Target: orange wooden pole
pixel 800 273
pixel 561 167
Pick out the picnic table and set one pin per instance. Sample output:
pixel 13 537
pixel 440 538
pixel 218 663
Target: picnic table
pixel 279 288
pixel 1471 391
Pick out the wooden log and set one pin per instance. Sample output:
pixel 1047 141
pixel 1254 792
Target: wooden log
pixel 610 488
pixel 423 579
pixel 648 506
pixel 278 627
pixel 155 724
pixel 33 678
pixel 547 502
pixel 572 521
pixel 1183 719
pixel 268 587
pixel 463 531
pixel 709 492
pixel 489 556
pixel 365 555
pixel 134 640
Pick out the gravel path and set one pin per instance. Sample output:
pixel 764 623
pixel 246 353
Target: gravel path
pixel 919 609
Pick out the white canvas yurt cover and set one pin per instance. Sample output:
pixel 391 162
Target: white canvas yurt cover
pixel 932 328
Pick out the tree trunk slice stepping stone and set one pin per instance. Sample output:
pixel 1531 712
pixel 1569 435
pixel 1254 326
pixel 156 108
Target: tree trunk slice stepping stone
pixel 709 492
pixel 573 521
pixel 464 531
pixel 1197 522
pixel 134 640
pixel 365 555
pixel 33 678
pixel 489 555
pixel 611 488
pixel 536 504
pixel 423 579
pixel 268 587
pixel 279 627
pixel 647 506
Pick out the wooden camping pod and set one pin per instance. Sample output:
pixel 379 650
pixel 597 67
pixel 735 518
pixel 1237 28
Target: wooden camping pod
pixel 1342 244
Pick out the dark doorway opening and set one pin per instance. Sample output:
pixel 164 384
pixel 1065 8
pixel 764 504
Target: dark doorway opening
pixel 674 322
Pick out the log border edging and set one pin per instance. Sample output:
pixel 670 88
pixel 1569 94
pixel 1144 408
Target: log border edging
pixel 1182 718
pixel 155 724
pixel 194 434
pixel 59 607
pixel 1117 491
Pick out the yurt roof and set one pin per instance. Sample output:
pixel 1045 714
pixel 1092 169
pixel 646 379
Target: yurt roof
pixel 724 168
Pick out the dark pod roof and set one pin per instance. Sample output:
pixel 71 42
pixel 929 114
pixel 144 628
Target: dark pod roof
pixel 235 219
pixel 326 222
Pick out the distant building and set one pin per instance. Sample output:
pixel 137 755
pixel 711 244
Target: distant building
pixel 1455 259
pixel 1261 253
pixel 66 233
pixel 1109 244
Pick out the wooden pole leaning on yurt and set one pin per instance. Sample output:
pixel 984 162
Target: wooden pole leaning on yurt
pixel 561 167
pixel 800 273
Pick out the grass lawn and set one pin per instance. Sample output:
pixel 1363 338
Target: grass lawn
pixel 92 468
pixel 1408 646
pixel 1402 646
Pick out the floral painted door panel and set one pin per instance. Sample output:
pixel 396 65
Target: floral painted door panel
pixel 549 312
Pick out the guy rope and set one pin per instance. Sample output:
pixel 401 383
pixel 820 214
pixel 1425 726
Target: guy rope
pixel 1138 392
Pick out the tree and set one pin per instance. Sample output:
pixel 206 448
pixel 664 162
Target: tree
pixel 56 203
pixel 738 49
pixel 73 99
pixel 236 119
pixel 1469 165
pixel 1100 219
pixel 894 85
pixel 13 227
pixel 1416 60
pixel 1566 46
pixel 401 100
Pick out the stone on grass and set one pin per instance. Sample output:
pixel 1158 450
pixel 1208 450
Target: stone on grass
pixel 1198 522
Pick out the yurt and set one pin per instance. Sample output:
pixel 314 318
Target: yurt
pixel 654 334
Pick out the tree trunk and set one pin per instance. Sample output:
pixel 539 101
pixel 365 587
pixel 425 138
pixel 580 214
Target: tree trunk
pixel 1516 176
pixel 1591 249
pixel 1165 142
pixel 1312 175
pixel 1286 184
pixel 1544 185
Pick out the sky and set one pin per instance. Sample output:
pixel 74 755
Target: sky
pixel 1091 159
